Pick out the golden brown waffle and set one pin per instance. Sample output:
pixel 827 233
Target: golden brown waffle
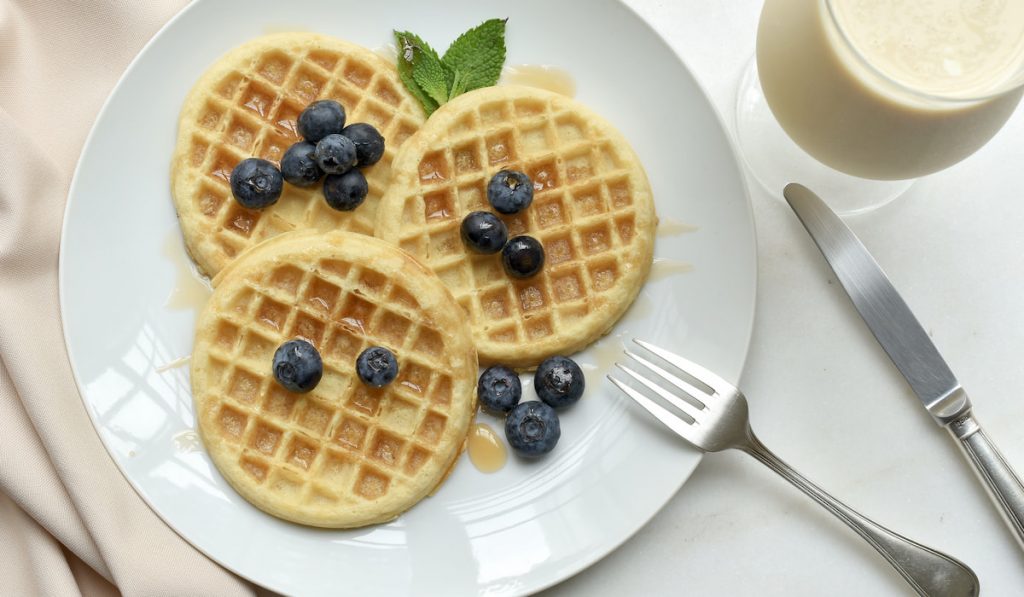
pixel 592 211
pixel 343 455
pixel 246 105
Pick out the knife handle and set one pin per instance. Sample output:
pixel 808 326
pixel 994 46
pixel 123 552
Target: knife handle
pixel 1001 482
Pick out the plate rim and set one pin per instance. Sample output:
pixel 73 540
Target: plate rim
pixel 749 320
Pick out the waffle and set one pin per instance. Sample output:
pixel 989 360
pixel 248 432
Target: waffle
pixel 246 105
pixel 592 211
pixel 343 455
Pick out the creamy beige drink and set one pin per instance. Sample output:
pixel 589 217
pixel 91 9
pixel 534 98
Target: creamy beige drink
pixel 891 89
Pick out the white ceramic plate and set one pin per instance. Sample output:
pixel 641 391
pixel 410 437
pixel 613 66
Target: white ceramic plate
pixel 125 287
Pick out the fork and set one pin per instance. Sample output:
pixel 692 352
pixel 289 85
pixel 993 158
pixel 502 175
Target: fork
pixel 718 420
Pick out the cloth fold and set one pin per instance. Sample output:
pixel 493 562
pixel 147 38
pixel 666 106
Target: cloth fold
pixel 71 523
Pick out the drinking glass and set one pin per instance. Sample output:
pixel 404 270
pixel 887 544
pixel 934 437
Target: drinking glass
pixel 858 98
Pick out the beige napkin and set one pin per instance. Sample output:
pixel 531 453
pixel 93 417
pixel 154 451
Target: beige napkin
pixel 69 522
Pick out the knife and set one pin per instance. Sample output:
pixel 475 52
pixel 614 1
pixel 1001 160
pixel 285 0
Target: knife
pixel 910 348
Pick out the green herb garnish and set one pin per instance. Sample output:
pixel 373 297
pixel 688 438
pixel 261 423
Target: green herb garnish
pixel 474 60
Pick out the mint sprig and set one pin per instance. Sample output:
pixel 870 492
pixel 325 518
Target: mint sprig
pixel 410 52
pixel 474 60
pixel 479 54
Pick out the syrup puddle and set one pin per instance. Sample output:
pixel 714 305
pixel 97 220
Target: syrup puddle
pixel 486 451
pixel 186 441
pixel 191 291
pixel 673 227
pixel 663 268
pixel 542 76
pixel 388 52
pixel 179 362
pixel 604 353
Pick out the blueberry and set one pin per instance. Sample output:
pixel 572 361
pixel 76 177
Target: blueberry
pixel 335 154
pixel 532 429
pixel 299 166
pixel 345 192
pixel 510 192
pixel 321 118
pixel 377 366
pixel 369 143
pixel 523 256
pixel 256 183
pixel 499 389
pixel 559 382
pixel 297 366
pixel 483 232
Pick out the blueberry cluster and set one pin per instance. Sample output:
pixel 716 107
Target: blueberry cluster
pixel 532 428
pixel 329 148
pixel 509 192
pixel 298 367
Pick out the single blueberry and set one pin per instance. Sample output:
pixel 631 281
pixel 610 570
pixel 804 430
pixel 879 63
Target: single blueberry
pixel 345 192
pixel 321 118
pixel 532 429
pixel 335 154
pixel 297 366
pixel 256 183
pixel 299 166
pixel 559 382
pixel 368 141
pixel 377 366
pixel 499 389
pixel 510 191
pixel 523 256
pixel 483 232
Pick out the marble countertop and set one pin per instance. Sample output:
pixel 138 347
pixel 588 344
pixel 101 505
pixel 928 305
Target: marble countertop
pixel 824 396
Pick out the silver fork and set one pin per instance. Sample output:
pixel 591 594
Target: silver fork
pixel 719 421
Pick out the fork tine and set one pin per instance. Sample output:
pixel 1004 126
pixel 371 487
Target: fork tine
pixel 689 367
pixel 692 411
pixel 689 389
pixel 679 426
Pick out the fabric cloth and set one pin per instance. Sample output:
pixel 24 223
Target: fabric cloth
pixel 70 523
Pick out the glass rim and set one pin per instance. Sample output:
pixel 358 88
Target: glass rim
pixel 1014 83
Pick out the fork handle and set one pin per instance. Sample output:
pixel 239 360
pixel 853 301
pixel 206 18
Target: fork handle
pixel 929 572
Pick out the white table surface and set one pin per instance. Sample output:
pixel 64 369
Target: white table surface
pixel 823 394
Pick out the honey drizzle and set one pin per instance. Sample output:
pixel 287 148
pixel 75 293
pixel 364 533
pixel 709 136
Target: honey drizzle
pixel 672 227
pixel 486 451
pixel 191 291
pixel 541 76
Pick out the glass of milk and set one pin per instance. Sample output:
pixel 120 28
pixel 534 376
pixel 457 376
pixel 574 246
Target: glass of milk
pixel 857 98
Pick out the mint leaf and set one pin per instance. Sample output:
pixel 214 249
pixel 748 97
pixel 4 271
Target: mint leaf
pixel 458 86
pixel 479 54
pixel 474 60
pixel 410 48
pixel 430 73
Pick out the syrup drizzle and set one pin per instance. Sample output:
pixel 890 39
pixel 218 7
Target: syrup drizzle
pixel 191 290
pixel 541 76
pixel 672 227
pixel 179 362
pixel 663 268
pixel 186 441
pixel 486 451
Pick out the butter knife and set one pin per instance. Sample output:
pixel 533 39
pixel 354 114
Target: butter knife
pixel 910 348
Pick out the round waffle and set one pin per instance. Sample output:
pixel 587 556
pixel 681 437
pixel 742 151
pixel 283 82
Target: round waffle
pixel 246 105
pixel 592 211
pixel 345 454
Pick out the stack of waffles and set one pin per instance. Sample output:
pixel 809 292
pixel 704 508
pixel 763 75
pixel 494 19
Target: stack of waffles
pixel 345 454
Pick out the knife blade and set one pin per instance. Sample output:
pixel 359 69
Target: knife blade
pixel 910 349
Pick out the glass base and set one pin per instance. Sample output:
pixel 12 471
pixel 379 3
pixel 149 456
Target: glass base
pixel 775 160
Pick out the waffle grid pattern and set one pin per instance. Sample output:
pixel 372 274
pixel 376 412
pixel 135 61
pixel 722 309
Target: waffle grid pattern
pixel 252 111
pixel 585 213
pixel 344 441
